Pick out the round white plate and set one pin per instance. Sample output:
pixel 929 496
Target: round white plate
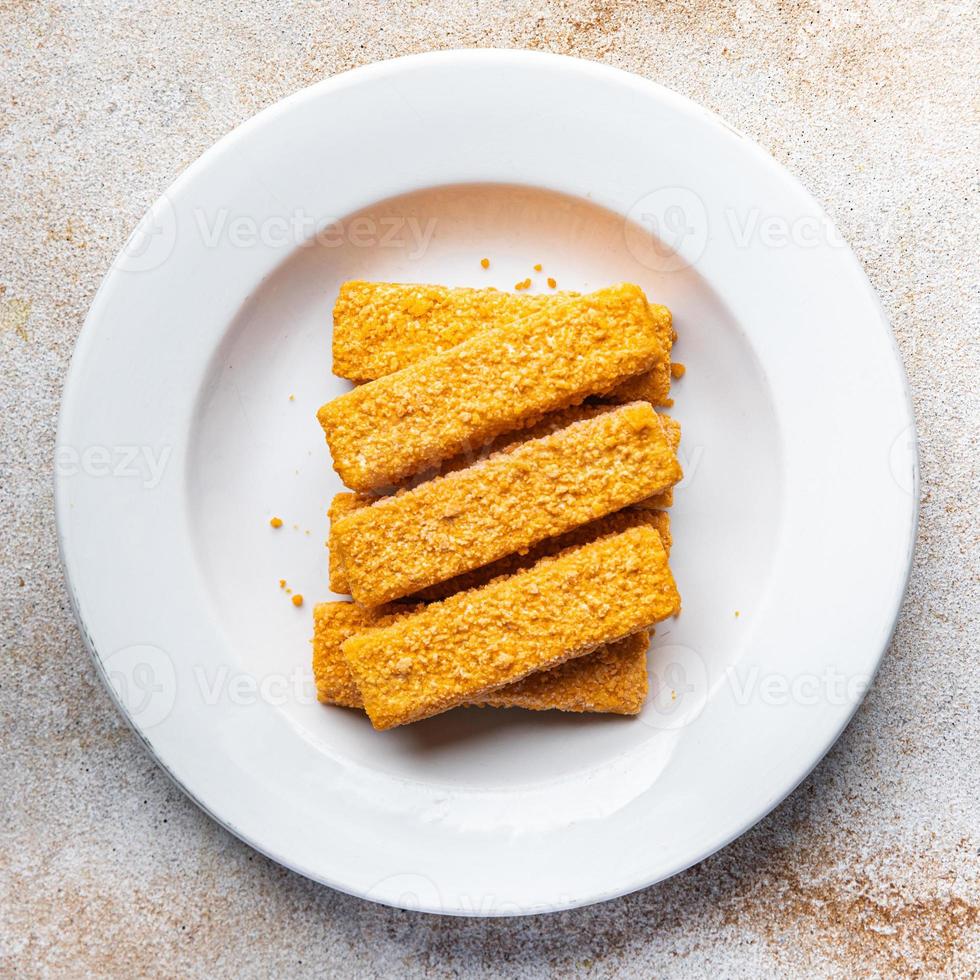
pixel 188 421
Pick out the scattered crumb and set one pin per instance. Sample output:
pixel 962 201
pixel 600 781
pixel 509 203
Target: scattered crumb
pixel 537 267
pixel 306 532
pixel 485 263
pixel 677 370
pixel 525 284
pixel 297 600
pixel 295 527
pixel 276 522
pixel 551 283
pixel 292 398
pixel 282 583
pixel 737 614
pixel 673 695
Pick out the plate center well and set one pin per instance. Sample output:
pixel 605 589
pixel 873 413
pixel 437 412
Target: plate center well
pixel 258 452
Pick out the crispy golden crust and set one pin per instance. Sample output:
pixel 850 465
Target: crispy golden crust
pixel 499 380
pixel 345 503
pixel 382 327
pixel 613 679
pixel 334 622
pixel 504 504
pixel 665 498
pixel 636 516
pixel 341 505
pixel 469 645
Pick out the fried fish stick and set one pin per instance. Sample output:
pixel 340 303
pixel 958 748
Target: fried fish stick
pixel 612 680
pixel 468 646
pixel 610 524
pixel 499 380
pixel 341 505
pixel 665 498
pixel 344 503
pixel 382 327
pixel 504 504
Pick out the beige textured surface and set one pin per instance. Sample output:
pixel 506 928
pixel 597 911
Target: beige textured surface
pixel 870 867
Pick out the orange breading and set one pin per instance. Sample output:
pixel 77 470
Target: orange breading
pixel 610 524
pixel 473 643
pixel 334 622
pixel 610 680
pixel 499 380
pixel 504 504
pixel 665 498
pixel 382 327
pixel 341 505
pixel 344 503
pixel 613 679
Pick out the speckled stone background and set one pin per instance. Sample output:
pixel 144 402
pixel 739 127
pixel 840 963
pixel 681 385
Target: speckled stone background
pixel 869 868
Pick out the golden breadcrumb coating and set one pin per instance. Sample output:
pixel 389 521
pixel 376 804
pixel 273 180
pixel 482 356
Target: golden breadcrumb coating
pixel 499 380
pixel 504 504
pixel 341 505
pixel 613 679
pixel 334 622
pixel 382 327
pixel 610 680
pixel 665 498
pixel 610 524
pixel 469 645
pixel 344 503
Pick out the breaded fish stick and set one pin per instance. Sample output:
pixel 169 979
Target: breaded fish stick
pixel 345 503
pixel 341 505
pixel 382 327
pixel 610 524
pixel 613 679
pixel 499 380
pixel 468 646
pixel 505 503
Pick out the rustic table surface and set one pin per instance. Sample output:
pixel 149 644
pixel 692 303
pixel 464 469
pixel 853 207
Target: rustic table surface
pixel 869 868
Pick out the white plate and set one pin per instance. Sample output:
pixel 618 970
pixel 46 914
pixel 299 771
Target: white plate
pixel 178 441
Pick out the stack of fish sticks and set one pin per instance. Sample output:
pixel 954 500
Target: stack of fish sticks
pixel 505 542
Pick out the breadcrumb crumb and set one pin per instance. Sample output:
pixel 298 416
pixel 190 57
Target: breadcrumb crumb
pixel 485 263
pixel 297 600
pixel 552 283
pixel 275 522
